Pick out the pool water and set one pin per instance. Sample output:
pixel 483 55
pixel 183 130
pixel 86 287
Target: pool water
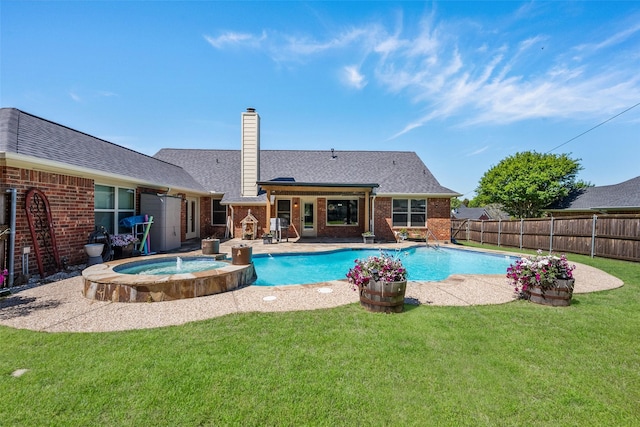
pixel 422 264
pixel 169 265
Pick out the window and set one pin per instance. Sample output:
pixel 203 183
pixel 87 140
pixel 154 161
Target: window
pixel 341 212
pixel 111 204
pixel 283 210
pixel 409 212
pixel 218 213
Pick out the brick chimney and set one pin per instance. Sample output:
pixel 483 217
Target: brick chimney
pixel 250 156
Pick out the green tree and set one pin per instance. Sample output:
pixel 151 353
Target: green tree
pixel 455 203
pixel 528 182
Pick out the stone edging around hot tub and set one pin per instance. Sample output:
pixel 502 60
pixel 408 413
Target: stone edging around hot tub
pixel 102 283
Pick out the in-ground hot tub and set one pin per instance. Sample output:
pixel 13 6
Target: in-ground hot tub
pixel 148 280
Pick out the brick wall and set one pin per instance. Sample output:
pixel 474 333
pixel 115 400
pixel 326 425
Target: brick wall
pixel 382 219
pixel 71 203
pixel 438 220
pixel 241 212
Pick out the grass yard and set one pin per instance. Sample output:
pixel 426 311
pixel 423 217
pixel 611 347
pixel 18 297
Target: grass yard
pixel 512 364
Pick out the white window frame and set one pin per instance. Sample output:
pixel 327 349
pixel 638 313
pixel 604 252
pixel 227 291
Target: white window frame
pixel 116 211
pixel 409 212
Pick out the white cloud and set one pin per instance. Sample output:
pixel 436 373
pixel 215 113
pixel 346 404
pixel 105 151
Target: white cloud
pixel 462 72
pixel 74 96
pixel 612 40
pixel 478 151
pixel 107 94
pixel 353 77
pixel 481 84
pixel 234 39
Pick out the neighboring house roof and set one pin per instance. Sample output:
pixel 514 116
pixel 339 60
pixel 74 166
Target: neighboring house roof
pixel 27 135
pixel 490 211
pixel 623 196
pixel 464 212
pixel 395 172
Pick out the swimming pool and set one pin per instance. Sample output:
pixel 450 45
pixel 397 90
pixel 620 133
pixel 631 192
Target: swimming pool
pixel 422 263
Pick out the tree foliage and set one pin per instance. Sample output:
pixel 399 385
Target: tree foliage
pixel 455 203
pixel 528 182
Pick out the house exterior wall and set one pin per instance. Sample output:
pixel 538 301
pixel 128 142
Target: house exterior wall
pixel 325 230
pixel 71 201
pixel 241 212
pixel 294 227
pixel 438 220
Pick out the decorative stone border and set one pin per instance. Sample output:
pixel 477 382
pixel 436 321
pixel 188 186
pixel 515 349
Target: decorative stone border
pixel 102 283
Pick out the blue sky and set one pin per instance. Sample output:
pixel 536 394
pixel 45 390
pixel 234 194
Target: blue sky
pixel 463 84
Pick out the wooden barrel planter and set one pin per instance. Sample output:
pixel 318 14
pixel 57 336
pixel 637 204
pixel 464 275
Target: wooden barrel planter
pixel 241 255
pixel 383 297
pixel 557 296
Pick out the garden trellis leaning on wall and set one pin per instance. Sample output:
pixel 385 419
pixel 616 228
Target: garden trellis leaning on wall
pixel 607 236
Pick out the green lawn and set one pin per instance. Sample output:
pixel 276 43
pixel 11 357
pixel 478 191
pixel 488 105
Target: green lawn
pixel 511 364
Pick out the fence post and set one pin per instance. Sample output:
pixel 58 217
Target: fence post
pixel 482 232
pixel 521 230
pixel 551 236
pixel 593 235
pixel 499 230
pixel 468 231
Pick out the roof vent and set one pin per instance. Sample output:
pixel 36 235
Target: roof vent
pixel 333 154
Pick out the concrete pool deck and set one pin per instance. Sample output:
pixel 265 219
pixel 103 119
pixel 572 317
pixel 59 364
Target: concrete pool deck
pixel 60 306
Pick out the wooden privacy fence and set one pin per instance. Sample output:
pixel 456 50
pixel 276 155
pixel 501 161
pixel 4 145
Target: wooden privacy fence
pixel 607 236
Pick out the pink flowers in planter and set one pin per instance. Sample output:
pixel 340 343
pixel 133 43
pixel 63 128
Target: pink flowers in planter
pixel 123 240
pixel 383 267
pixel 540 270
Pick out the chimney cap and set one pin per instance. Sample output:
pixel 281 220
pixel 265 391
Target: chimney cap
pixel 251 110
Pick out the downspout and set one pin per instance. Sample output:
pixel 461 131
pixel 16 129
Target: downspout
pixel 232 232
pixel 12 235
pixel 372 221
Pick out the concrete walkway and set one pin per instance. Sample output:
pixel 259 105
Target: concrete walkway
pixel 60 306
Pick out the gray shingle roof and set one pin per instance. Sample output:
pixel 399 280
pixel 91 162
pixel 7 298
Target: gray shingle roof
pixel 396 172
pixel 32 136
pixel 625 195
pixel 464 212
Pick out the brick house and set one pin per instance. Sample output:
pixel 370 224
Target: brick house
pixel 334 194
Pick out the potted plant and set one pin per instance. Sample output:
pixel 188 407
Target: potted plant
pixel 122 245
pixel 267 238
pixel 403 234
pixel 381 281
pixel 543 279
pixel 368 237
